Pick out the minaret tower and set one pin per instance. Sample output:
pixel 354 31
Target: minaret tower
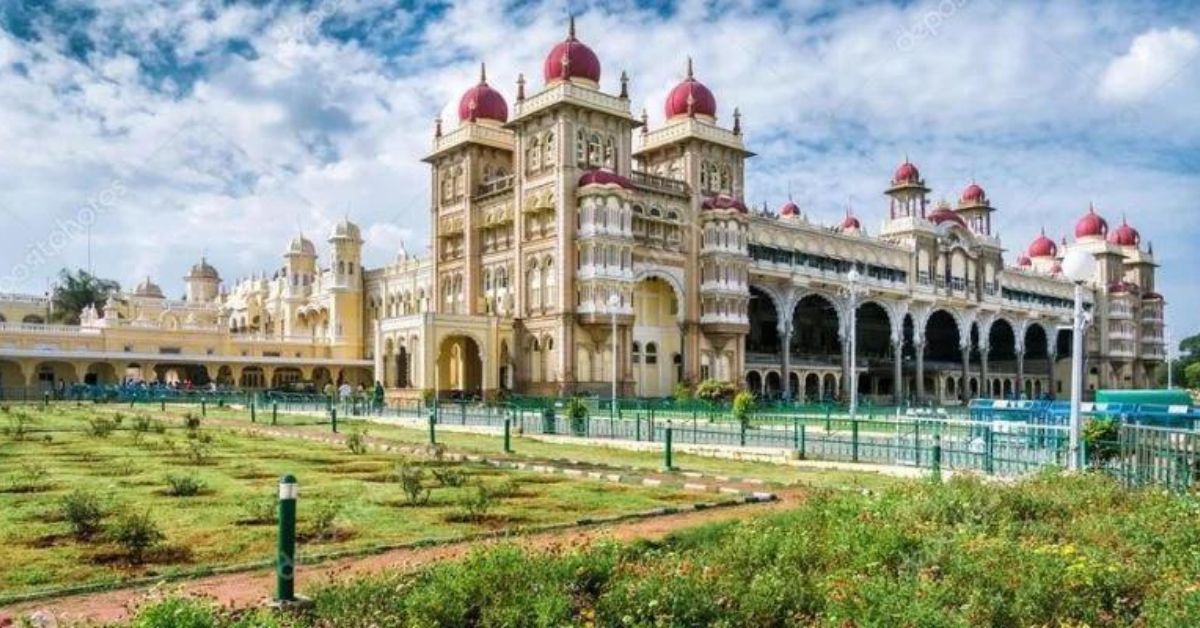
pixel 909 196
pixel 975 209
pixel 346 285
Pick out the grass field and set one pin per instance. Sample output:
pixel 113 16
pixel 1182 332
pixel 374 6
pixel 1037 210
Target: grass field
pixel 589 453
pixel 1055 550
pixel 210 493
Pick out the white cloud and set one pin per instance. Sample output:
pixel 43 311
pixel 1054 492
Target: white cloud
pixel 1154 60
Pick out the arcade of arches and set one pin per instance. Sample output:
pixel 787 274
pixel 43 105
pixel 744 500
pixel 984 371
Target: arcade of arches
pixel 49 374
pixel 940 364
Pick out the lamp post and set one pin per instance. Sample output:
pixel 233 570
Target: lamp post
pixel 1079 266
pixel 614 301
pixel 1167 350
pixel 852 290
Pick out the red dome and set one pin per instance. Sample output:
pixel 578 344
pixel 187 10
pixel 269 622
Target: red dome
pixel 482 102
pixel 850 222
pixel 571 59
pixel 690 97
pixel 789 209
pixel 1023 261
pixel 973 194
pixel 1091 225
pixel 1043 246
pixel 723 202
pixel 602 176
pixel 906 173
pixel 1125 235
pixel 944 214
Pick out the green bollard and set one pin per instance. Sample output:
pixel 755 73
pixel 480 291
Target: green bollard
pixel 433 427
pixel 828 422
pixel 936 465
pixel 253 412
pixel 333 419
pixel 667 450
pixel 507 436
pixel 203 407
pixel 803 444
pixel 274 413
pixel 45 400
pixel 742 434
pixel 989 460
pixel 285 558
pixel 854 440
pixel 637 434
pixel 162 405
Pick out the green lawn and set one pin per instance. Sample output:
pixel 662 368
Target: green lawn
pixel 588 453
pixel 46 455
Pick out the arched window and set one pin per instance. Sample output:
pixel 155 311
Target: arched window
pixel 548 281
pixel 610 152
pixel 533 156
pixel 637 353
pixel 594 155
pixel 651 353
pixel 580 148
pixel 548 156
pixel 533 279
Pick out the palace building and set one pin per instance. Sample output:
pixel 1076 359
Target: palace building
pixel 564 226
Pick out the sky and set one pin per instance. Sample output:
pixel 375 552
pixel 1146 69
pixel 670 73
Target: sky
pixel 172 130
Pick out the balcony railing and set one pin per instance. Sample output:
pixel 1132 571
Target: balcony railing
pixel 495 186
pixel 658 183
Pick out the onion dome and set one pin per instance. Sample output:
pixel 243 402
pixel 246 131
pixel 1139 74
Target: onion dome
pixel 1023 261
pixel 1043 246
pixel 148 290
pixel 942 213
pixel 482 102
pixel 604 176
pixel 301 245
pixel 723 202
pixel 1091 225
pixel 1124 235
pixel 690 98
pixel 906 173
pixel 571 59
pixel 346 230
pixel 789 210
pixel 850 223
pixel 972 196
pixel 203 270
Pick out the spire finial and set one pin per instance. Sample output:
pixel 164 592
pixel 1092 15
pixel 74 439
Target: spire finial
pixel 437 129
pixel 624 85
pixel 482 73
pixel 789 190
pixel 737 121
pixel 521 86
pixel 571 28
pixel 689 66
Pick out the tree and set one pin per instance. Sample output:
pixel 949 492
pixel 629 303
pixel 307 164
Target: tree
pixel 1191 375
pixel 75 291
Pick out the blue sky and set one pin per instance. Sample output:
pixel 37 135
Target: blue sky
pixel 222 128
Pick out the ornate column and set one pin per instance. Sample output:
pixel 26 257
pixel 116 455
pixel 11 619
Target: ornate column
pixel 1020 372
pixel 844 386
pixel 1051 358
pixel 898 371
pixel 983 372
pixel 785 333
pixel 964 388
pixel 919 345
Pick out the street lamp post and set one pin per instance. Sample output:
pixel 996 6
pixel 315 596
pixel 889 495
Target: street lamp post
pixel 1167 349
pixel 852 278
pixel 1079 266
pixel 614 301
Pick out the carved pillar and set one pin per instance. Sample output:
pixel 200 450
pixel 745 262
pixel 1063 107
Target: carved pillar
pixel 983 374
pixel 898 372
pixel 786 335
pixel 1051 358
pixel 920 351
pixel 1020 373
pixel 964 390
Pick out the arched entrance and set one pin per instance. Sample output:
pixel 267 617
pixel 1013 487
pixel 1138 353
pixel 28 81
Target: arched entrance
pixel 656 334
pixel 460 367
pixel 754 382
pixel 943 352
pixel 1002 355
pixel 100 374
pixel 812 387
pixel 873 349
pixel 815 336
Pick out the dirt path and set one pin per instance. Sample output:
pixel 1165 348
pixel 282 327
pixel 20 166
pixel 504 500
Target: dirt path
pixel 251 588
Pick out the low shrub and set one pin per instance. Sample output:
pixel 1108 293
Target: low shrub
pixel 474 504
pixel 450 477
pixel 136 533
pixel 30 477
pixel 183 485
pixel 412 482
pixel 260 511
pixel 191 421
pixel 357 442
pixel 83 512
pixel 321 525
pixel 101 427
pixel 18 426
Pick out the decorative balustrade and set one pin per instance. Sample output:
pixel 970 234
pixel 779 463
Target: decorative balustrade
pixel 495 186
pixel 658 183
